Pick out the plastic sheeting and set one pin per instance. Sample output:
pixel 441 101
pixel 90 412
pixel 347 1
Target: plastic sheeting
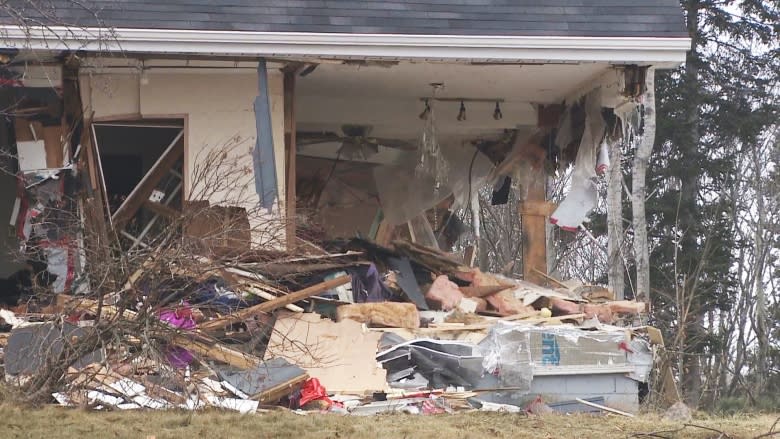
pixel 405 194
pixel 583 196
pixel 515 352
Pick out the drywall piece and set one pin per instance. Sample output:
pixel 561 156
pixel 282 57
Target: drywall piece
pixel 29 347
pixel 243 406
pixel 127 387
pixel 62 399
pixel 406 405
pixel 94 395
pixel 31 155
pixel 341 355
pixel 151 403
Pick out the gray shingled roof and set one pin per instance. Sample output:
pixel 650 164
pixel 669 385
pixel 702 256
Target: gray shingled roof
pixel 595 18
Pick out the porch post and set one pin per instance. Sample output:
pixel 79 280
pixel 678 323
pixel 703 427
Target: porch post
pixel 290 72
pixel 534 212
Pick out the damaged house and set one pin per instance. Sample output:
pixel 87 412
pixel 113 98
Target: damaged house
pixel 335 120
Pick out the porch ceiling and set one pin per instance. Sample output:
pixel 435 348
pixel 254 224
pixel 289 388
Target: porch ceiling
pixel 387 96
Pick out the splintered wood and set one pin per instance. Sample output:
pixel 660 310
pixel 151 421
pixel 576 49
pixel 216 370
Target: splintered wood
pixel 274 304
pixel 341 355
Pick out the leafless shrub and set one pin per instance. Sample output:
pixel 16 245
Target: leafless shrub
pixel 188 265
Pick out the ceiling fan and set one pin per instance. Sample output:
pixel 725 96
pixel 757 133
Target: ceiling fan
pixel 356 142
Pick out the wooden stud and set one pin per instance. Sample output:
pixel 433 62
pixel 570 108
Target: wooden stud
pixel 277 392
pixel 291 150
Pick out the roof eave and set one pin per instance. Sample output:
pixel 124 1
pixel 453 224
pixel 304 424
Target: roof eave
pixel 662 52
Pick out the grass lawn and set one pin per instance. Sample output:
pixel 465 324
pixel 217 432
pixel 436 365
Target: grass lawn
pixel 61 423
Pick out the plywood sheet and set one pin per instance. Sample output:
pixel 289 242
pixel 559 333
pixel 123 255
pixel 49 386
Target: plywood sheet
pixel 341 355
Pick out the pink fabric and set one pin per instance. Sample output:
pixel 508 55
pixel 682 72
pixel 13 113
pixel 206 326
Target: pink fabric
pixel 179 317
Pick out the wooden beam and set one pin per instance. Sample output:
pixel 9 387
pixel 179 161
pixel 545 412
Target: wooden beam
pixel 279 391
pixel 534 215
pixel 543 208
pixel 604 408
pixel 142 191
pixel 274 304
pixel 291 150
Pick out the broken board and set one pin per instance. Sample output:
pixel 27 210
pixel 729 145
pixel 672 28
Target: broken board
pixel 341 355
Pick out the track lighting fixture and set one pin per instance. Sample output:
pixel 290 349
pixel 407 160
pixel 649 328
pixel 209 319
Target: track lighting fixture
pixel 497 115
pixel 462 112
pixel 426 112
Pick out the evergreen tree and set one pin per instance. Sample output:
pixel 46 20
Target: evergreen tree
pixel 709 110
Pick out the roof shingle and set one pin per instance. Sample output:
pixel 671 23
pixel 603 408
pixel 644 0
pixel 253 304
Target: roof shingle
pixel 585 18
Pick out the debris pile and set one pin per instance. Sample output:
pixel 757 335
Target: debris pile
pixel 364 329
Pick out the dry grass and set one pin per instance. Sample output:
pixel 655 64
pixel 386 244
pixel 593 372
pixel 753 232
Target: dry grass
pixel 63 423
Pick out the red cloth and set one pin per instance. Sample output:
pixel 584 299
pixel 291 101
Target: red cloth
pixel 312 390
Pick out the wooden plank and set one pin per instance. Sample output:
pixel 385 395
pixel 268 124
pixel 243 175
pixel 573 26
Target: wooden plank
pixel 251 289
pixel 91 158
pixel 101 175
pixel 551 279
pixel 278 392
pixel 142 191
pixel 291 150
pixel 604 408
pixel 52 143
pixel 275 304
pixel 217 352
pixel 162 209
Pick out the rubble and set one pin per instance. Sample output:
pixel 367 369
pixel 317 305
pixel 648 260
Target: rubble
pixel 349 339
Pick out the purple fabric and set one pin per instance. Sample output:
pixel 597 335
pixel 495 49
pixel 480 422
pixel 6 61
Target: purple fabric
pixel 178 357
pixel 367 285
pixel 180 318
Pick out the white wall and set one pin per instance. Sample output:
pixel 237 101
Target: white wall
pixel 219 106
